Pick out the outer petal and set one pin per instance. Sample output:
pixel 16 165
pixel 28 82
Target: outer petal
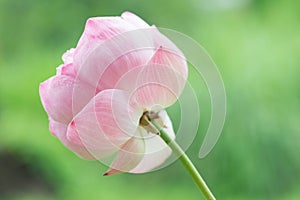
pixel 105 124
pixel 59 130
pixel 56 96
pixel 171 58
pixel 157 151
pixel 129 156
pixel 162 80
pixel 83 92
pixel 114 72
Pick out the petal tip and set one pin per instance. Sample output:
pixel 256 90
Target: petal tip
pixel 111 172
pixel 134 19
pixel 105 174
pixel 43 85
pixel 126 13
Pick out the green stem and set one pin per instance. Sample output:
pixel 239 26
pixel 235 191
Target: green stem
pixel 186 162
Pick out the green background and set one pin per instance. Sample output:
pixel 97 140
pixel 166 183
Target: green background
pixel 255 44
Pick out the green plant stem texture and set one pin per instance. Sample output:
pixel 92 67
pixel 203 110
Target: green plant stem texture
pixel 187 163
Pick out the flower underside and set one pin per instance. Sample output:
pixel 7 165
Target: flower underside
pixel 88 101
pixel 148 118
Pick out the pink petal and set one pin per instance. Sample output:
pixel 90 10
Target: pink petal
pixel 129 156
pixel 172 58
pixel 94 141
pixel 121 66
pixel 56 97
pixel 167 53
pixel 59 130
pixel 134 20
pixel 83 92
pixel 107 63
pixel 157 151
pixel 158 85
pixel 96 31
pixel 110 47
pixel 153 85
pixel 105 123
pixel 162 80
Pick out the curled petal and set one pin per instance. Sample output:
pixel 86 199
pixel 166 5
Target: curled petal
pixel 59 130
pixel 105 123
pixel 56 97
pixel 129 156
pixel 156 150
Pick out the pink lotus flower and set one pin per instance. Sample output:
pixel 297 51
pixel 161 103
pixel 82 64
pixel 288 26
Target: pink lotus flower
pixel 122 74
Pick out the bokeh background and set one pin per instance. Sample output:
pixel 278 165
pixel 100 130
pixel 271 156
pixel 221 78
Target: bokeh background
pixel 255 44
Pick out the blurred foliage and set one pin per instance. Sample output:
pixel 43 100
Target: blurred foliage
pixel 256 45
